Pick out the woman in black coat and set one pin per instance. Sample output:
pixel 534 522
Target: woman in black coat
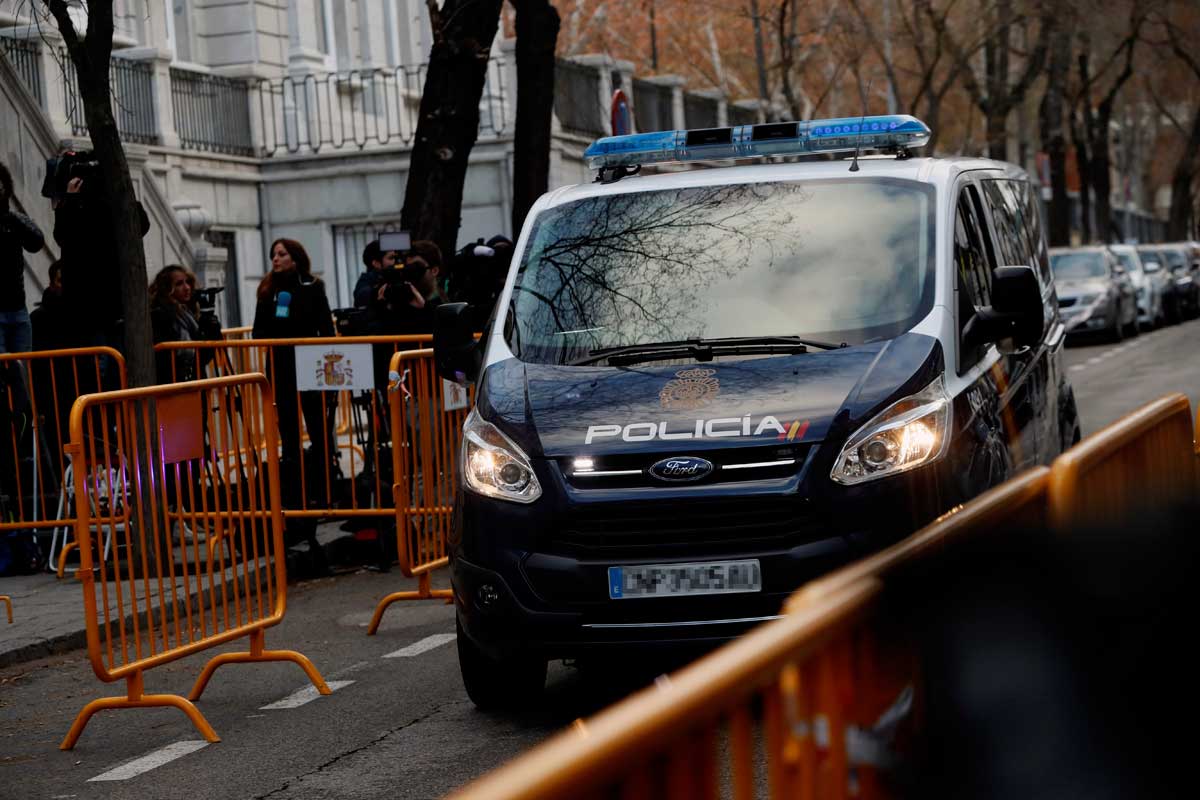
pixel 292 305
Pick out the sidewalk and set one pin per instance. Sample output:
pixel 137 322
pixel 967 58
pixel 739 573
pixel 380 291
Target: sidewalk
pixel 48 611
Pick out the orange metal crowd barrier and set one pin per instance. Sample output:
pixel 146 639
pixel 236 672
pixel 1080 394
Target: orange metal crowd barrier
pixel 7 605
pixel 35 474
pixel 828 690
pixel 165 595
pixel 427 419
pixel 351 423
pixel 831 683
pixel 1144 460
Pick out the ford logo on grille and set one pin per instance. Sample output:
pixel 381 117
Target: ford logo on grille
pixel 681 468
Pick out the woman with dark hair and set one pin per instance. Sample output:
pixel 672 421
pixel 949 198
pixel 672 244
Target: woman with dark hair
pixel 17 232
pixel 174 317
pixel 292 305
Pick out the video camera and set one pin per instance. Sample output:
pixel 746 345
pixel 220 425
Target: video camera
pixel 62 169
pixel 207 298
pixel 209 322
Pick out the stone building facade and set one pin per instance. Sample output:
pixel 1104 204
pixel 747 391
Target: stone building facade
pixel 249 120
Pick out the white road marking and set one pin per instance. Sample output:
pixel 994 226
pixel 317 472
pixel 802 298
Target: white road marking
pixel 150 761
pixel 1078 367
pixel 1094 360
pixel 305 695
pixel 425 645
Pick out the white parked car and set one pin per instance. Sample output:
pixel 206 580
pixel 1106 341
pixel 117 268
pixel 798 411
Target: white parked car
pixel 1152 286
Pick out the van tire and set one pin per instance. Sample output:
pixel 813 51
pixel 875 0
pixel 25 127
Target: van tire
pixel 498 684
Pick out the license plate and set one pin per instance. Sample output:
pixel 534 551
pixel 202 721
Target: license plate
pixel 673 580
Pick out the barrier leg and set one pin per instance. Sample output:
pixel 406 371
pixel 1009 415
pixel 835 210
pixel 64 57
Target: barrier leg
pixel 8 605
pixel 258 653
pixel 135 699
pixel 62 556
pixel 423 592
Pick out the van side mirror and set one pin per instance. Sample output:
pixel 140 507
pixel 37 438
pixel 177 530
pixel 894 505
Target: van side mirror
pixel 455 352
pixel 1016 313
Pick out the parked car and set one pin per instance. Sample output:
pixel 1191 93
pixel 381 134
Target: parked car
pixel 1177 259
pixel 1095 293
pixel 1151 288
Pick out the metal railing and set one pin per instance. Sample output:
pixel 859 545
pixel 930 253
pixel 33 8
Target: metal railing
pixel 700 111
pixel 577 98
pixel 132 86
pixel 25 55
pixel 358 109
pixel 211 112
pixel 653 106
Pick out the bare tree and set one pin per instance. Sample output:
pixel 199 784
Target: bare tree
pixel 1115 71
pixel 1182 214
pixel 537 27
pixel 448 125
pixel 90 54
pixel 1053 133
pixel 998 95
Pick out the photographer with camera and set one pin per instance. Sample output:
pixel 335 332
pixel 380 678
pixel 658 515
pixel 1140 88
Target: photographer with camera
pixel 17 232
pixel 177 316
pixel 478 274
pixel 91 274
pixel 375 259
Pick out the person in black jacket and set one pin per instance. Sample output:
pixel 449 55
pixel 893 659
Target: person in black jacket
pixel 17 232
pixel 91 273
pixel 175 317
pixel 292 305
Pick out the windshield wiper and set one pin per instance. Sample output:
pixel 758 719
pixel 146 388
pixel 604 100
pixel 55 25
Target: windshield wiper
pixel 702 349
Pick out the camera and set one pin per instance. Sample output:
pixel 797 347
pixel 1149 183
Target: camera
pixel 207 298
pixel 210 324
pixel 62 169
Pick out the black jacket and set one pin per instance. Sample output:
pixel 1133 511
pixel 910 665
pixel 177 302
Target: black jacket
pixel 17 232
pixel 308 315
pixel 91 276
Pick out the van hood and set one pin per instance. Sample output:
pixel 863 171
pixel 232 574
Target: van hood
pixel 558 411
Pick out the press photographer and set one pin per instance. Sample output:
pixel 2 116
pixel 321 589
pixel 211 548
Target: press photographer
pixel 85 235
pixel 477 276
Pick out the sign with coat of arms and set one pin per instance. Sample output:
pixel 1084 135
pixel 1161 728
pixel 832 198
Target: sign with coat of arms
pixel 334 368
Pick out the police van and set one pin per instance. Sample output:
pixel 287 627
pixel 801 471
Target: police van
pixel 702 388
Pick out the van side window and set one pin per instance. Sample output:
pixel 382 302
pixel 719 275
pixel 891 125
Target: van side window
pixel 1012 242
pixel 1018 225
pixel 973 270
pixel 1032 216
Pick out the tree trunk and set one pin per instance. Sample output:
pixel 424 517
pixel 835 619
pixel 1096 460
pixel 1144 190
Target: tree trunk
pixel 1101 169
pixel 997 134
pixel 448 124
pixel 537 26
pixel 1054 140
pixel 1084 168
pixel 1179 220
pixel 760 58
pixel 90 55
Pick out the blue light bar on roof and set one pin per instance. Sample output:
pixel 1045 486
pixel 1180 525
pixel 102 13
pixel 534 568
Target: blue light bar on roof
pixel 892 132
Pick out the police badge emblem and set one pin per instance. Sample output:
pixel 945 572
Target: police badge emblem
pixel 691 388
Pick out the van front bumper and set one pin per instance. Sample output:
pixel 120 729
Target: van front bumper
pixel 521 585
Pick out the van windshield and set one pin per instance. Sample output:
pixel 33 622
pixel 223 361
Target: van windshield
pixel 838 261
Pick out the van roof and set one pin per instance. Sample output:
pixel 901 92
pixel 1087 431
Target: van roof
pixel 937 171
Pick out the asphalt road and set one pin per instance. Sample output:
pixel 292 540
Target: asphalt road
pixel 399 725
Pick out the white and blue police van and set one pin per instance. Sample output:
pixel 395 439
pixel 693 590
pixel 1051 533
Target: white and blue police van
pixel 701 388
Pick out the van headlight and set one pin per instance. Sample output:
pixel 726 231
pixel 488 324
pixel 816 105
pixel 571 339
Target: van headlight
pixel 494 466
pixel 907 434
